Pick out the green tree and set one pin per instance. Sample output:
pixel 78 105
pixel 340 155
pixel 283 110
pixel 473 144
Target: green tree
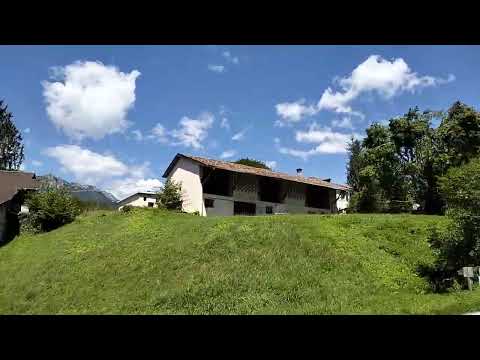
pixel 458 244
pixel 459 133
pixel 49 209
pixel 354 165
pixel 170 197
pixel 252 162
pixel 11 148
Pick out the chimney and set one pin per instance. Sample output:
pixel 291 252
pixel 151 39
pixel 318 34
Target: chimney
pixel 300 172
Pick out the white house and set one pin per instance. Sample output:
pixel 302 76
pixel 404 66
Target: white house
pixel 214 187
pixel 140 199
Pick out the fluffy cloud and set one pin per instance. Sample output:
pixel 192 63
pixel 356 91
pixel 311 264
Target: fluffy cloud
pixel 228 154
pixel 137 134
pixel 192 132
pixel 292 112
pixel 104 171
pixel 89 99
pixel 386 78
pixel 345 122
pixel 271 164
pixel 229 57
pixel 159 134
pixel 328 142
pixel 239 135
pixel 37 163
pixel 225 124
pixel 122 188
pixel 27 130
pixel 216 68
pixel 85 165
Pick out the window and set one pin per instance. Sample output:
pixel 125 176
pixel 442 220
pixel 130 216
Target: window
pixel 209 203
pixel 150 204
pixel 268 210
pixel 144 198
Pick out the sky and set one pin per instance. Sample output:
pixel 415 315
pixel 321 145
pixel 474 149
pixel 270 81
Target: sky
pixel 115 116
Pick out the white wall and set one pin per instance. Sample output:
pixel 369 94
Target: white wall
pixel 187 173
pixel 138 201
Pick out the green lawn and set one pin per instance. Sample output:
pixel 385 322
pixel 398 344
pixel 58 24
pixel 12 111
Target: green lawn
pixel 152 262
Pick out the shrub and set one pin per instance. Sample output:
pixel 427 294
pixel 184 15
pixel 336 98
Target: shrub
pixel 49 209
pixel 127 208
pixel 170 197
pixel 458 244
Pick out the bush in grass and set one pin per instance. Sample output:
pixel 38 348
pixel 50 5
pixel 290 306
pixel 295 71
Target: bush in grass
pixel 49 209
pixel 126 209
pixel 170 197
pixel 458 244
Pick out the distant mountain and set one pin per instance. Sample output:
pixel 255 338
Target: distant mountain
pixel 82 192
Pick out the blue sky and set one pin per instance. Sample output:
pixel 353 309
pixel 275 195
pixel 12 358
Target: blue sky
pixel 115 116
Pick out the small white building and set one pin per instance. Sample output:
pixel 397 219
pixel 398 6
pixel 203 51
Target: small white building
pixel 140 199
pixel 214 187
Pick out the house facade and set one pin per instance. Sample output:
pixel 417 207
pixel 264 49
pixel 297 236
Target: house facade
pixel 13 187
pixel 214 187
pixel 140 199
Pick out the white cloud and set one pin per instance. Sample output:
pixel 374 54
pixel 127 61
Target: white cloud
pixel 104 171
pixel 90 99
pixel 345 122
pixel 27 130
pixel 23 167
pixel 216 68
pixel 228 154
pixel 239 135
pixel 328 142
pixel 37 163
pixel 85 165
pixel 225 124
pixel 122 188
pixel 271 164
pixel 137 134
pixel 386 78
pixel 159 134
pixel 192 132
pixel 292 112
pixel 233 59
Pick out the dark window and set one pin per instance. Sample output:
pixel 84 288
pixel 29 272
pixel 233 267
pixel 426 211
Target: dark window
pixel 209 203
pixel 150 204
pixel 144 198
pixel 243 208
pixel 217 182
pixel 269 210
pixel 317 197
pixel 270 190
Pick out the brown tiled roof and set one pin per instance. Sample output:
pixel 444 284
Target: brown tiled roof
pixel 244 169
pixel 13 181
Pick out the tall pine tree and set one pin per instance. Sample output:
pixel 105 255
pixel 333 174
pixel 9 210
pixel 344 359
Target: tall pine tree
pixel 11 147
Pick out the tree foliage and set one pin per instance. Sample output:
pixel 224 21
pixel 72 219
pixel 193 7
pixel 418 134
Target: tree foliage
pixel 170 197
pixel 11 148
pixel 399 164
pixel 49 209
pixel 252 162
pixel 458 244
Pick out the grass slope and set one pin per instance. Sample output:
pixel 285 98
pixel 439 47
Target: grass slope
pixel 150 261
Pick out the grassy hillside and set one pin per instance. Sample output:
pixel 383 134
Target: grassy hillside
pixel 152 262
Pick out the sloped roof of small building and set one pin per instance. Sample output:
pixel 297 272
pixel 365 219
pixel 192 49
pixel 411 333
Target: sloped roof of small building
pixel 13 181
pixel 245 169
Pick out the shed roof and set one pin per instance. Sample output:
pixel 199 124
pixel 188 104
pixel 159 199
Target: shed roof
pixel 245 169
pixel 13 181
